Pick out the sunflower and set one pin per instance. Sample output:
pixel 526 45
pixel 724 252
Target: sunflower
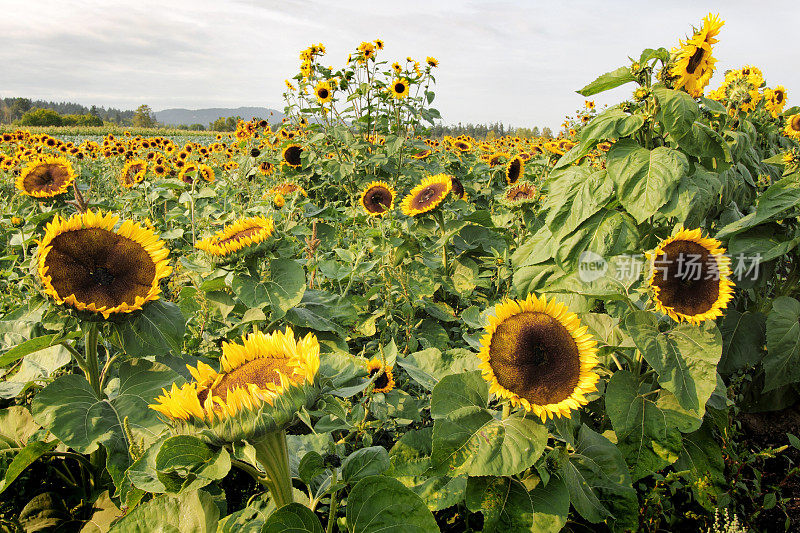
pixel 287 187
pixel 399 88
pixel 206 172
pixel 514 170
pixel 792 128
pixel 775 99
pixel 537 355
pixel 266 168
pixel 497 158
pixel 189 168
pixel 462 146
pixel 519 194
pixel 87 264
pixel 690 277
pixel 323 92
pixel 427 195
pixel 458 187
pixel 432 61
pixel 421 154
pixel 237 236
pixel 46 177
pixel 291 155
pixel 378 198
pixel 385 380
pixel 278 201
pixel 693 62
pixel 132 173
pixel 262 384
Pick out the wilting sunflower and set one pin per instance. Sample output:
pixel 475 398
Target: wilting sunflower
pixel 378 198
pixel 291 155
pixel 690 277
pixel 132 173
pixel 792 128
pixel 262 384
pixel 46 177
pixel 385 381
pixel 241 234
pixel 537 355
pixel 693 62
pixel 323 92
pixel 514 170
pixel 399 88
pixel 519 194
pixel 427 195
pixel 87 264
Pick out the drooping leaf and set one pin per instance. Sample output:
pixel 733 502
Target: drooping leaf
pixel 156 329
pixel 190 511
pixel 607 81
pixel 782 363
pixel 380 504
pixel 504 502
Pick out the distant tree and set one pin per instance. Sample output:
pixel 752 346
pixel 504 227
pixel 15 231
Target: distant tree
pixel 143 117
pixel 40 117
pixel 224 124
pixel 197 127
pixel 81 120
pixel 547 133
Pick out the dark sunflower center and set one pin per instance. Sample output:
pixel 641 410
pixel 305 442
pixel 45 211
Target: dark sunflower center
pixel 795 123
pixel 458 188
pixel 322 93
pixel 533 355
pixel 98 266
pixel 399 88
pixel 514 170
pixel 292 155
pixel 428 195
pixel 778 97
pixel 383 380
pixel 259 372
pixel 378 199
pixel 695 60
pixel 46 178
pixel 687 276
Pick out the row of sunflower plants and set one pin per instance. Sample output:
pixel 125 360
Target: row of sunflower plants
pixel 259 333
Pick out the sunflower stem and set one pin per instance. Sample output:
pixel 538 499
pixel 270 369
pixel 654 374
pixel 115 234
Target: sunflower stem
pixel 273 456
pixel 445 262
pixel 334 504
pixel 506 410
pixel 92 363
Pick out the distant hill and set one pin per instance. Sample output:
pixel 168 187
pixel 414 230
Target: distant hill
pixel 175 117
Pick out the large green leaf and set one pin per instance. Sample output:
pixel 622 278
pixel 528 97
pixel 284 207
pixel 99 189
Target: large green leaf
pixel 613 123
pixel 282 289
pixel 702 455
pixel 696 196
pixel 193 512
pixel 33 345
pixel 428 366
pixel 782 363
pixel 158 328
pixel 293 518
pixel 459 390
pixel 606 233
pixel 383 504
pixel 550 506
pixel 607 81
pixel 574 196
pixel 70 410
pixel 504 502
pixel 781 197
pixel 648 428
pixel 365 462
pixel 474 441
pixel 23 459
pixel 743 338
pixel 685 358
pixel 645 178
pixel 598 481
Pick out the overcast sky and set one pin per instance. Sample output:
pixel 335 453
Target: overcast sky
pixel 518 62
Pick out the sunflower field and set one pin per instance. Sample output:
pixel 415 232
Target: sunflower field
pixel 339 323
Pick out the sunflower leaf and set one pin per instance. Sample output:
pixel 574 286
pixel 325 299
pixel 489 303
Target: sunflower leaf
pixel 383 504
pixel 607 81
pixel 158 328
pixel 292 518
pixel 782 363
pixel 504 502
pixel 685 358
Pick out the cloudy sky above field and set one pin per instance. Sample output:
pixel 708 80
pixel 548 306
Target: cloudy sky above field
pixel 513 61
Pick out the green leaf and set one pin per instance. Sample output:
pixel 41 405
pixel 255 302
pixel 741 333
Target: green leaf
pixel 574 196
pixel 702 456
pixel 685 358
pixel 504 502
pixel 645 178
pixel 743 338
pixel 185 463
pixel 677 111
pixel 33 345
pixel 156 329
pixel 427 367
pixel 598 481
pixel 781 197
pixel 250 519
pixel 607 81
pixel 365 462
pixel 607 233
pixel 648 432
pixel 550 506
pixel 380 504
pixel 453 392
pixel 23 459
pixel 70 409
pixel 782 363
pixel 613 123
pixel 190 511
pixel 293 518
pixel 472 440
pixel 286 286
